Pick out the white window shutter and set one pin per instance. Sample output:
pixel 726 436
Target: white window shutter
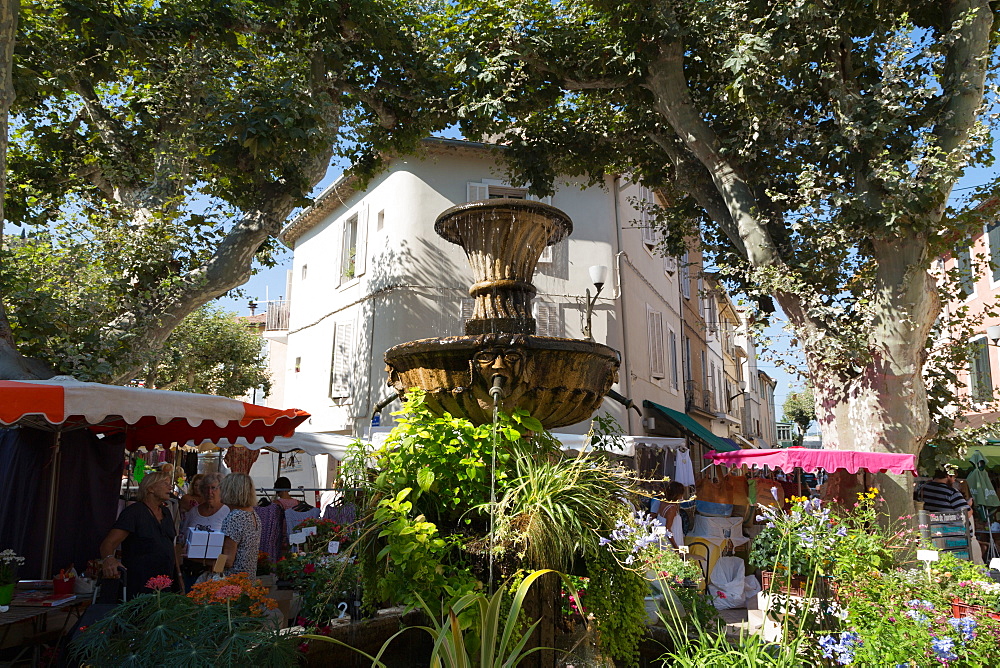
pixel 466 310
pixel 669 266
pixel 654 332
pixel 477 191
pixel 546 256
pixel 340 365
pixel 685 277
pixel 545 200
pixel 547 322
pixel 361 244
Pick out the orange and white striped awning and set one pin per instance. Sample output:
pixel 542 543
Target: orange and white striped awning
pixel 147 417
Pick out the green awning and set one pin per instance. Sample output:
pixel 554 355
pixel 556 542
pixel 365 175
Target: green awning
pixel 688 424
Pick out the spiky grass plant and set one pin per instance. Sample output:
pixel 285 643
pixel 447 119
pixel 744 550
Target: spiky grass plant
pixel 556 507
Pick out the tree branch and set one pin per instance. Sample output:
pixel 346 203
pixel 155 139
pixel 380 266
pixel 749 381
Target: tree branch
pixel 673 100
pixel 569 83
pixel 963 82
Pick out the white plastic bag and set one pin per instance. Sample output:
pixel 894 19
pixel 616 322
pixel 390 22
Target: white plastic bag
pixel 727 584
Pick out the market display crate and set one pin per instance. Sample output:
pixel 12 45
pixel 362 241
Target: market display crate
pixel 959 610
pixel 799 585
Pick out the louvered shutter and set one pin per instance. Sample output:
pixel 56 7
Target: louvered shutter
pixel 967 277
pixel 669 266
pixel 340 365
pixel 477 191
pixel 654 331
pixel 649 236
pixel 993 236
pixel 980 377
pixel 674 380
pixel 685 277
pixel 466 310
pixel 547 321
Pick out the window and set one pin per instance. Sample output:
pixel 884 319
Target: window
pixel 353 251
pixel 654 333
pixel 381 220
pixel 685 277
pixel 467 309
pixel 646 219
pixel 546 256
pixel 993 238
pixel 712 314
pixel 669 266
pixel 547 320
pixel 340 363
pixel 980 377
pixel 672 350
pixel 298 364
pixel 305 267
pixel 349 249
pixel 967 278
pixel 688 374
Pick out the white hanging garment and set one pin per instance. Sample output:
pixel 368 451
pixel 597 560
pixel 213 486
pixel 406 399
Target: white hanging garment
pixel 683 468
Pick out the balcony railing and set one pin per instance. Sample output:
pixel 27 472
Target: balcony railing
pixel 697 398
pixel 277 316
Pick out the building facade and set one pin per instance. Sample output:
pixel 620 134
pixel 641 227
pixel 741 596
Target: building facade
pixel 369 272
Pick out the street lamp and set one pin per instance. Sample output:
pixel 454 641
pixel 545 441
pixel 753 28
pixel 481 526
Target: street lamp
pixel 993 333
pixel 599 276
pixel 743 390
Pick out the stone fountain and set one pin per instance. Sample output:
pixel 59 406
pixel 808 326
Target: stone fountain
pixel 559 381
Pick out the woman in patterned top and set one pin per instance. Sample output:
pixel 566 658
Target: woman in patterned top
pixel 241 527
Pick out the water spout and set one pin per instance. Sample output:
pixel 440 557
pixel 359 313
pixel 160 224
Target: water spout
pixel 624 401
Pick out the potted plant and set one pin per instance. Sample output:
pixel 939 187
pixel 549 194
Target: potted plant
pixel 9 561
pixel 971 597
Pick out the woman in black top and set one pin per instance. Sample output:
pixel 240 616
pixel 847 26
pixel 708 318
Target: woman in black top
pixel 145 532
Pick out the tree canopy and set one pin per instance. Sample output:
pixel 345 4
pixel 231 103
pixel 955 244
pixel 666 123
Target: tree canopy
pixel 800 408
pixel 177 136
pixel 815 144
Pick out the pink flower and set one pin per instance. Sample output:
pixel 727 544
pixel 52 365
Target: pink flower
pixel 227 592
pixel 309 569
pixel 159 583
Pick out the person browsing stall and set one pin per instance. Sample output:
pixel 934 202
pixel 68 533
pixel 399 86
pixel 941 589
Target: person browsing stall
pixel 145 533
pixel 241 545
pixel 284 497
pixel 206 516
pixel 940 496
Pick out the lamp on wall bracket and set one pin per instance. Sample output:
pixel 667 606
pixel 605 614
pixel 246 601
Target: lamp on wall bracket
pixel 743 390
pixel 993 334
pixel 599 276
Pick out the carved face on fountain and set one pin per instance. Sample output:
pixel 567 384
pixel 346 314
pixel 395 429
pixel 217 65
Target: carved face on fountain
pixel 499 358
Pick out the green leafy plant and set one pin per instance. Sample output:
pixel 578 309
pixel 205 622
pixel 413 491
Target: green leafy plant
pixel 484 643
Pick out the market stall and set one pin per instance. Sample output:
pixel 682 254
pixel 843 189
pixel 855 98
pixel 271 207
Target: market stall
pixel 105 419
pixel 726 503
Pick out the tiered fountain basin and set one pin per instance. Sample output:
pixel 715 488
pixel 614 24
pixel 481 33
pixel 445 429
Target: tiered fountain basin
pixel 559 381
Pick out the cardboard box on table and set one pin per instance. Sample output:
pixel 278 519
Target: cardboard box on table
pixel 204 544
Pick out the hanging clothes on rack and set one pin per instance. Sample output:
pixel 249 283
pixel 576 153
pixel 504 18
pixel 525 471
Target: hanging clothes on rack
pixel 240 459
pixel 272 530
pixel 295 517
pixel 683 467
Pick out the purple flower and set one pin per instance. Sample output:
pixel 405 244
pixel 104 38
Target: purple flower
pixel 944 648
pixel 965 626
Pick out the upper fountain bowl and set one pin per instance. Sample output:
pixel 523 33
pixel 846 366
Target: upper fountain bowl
pixel 559 381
